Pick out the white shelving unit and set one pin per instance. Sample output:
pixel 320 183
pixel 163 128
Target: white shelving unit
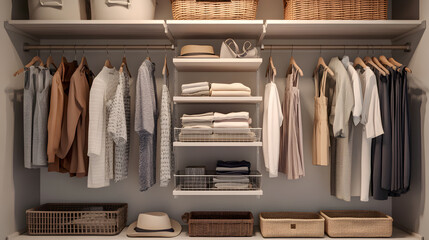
pixel 397 235
pixel 196 100
pixel 217 64
pixel 217 144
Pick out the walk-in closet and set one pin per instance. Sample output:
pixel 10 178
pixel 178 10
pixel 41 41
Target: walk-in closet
pixel 238 119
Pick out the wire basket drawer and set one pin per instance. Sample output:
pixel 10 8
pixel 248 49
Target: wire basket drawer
pixel 77 219
pixel 214 182
pixel 218 135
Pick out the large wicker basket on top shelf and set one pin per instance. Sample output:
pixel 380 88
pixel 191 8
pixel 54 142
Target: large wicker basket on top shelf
pixel 214 9
pixel 335 9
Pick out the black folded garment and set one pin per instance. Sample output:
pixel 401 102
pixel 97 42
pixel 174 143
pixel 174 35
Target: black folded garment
pixel 233 164
pixel 233 172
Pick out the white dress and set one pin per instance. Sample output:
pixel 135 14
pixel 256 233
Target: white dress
pixel 272 123
pixel 372 126
pixel 102 90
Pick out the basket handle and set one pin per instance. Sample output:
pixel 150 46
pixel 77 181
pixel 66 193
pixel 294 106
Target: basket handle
pixel 51 3
pixel 119 2
pixel 213 0
pixel 185 217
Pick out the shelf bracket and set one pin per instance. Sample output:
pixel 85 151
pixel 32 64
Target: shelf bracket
pixel 419 28
pixel 263 33
pixel 168 34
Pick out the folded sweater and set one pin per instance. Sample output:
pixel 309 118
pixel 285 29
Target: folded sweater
pixel 229 87
pixel 230 93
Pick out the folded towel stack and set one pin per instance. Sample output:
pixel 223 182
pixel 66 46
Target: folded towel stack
pixel 229 90
pixel 231 120
pixel 196 89
pixel 233 167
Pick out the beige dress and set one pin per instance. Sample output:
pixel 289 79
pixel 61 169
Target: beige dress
pixel 321 141
pixel 291 143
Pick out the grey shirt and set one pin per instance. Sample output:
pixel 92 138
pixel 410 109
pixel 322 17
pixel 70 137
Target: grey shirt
pixel 145 123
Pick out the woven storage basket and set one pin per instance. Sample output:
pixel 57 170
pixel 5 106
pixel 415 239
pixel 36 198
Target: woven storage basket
pixel 335 9
pixel 291 224
pixel 219 224
pixel 214 9
pixel 357 224
pixel 77 219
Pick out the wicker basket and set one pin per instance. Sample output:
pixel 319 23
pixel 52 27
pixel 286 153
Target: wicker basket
pixel 291 224
pixel 77 219
pixel 357 224
pixel 219 224
pixel 335 9
pixel 214 9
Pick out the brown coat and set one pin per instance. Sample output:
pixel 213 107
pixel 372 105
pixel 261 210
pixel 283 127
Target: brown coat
pixel 74 135
pixel 59 92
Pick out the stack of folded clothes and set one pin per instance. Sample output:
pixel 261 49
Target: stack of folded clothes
pixel 217 127
pixel 196 89
pixel 228 171
pixel 196 182
pixel 229 90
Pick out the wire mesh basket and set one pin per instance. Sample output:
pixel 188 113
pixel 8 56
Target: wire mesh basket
pixel 217 134
pixel 214 182
pixel 77 219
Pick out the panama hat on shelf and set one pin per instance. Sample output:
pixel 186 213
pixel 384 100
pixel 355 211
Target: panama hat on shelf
pixel 197 51
pixel 154 224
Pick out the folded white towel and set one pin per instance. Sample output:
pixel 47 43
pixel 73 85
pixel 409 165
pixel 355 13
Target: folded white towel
pixel 193 85
pixel 230 169
pixel 197 130
pixel 192 124
pixel 234 132
pixel 232 115
pixel 232 185
pixel 237 120
pixel 195 89
pixel 198 115
pixel 200 93
pixel 231 125
pixel 230 93
pixel 229 87
pixel 227 179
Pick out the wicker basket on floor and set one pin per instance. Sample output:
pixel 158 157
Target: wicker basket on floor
pixel 214 9
pixel 219 224
pixel 77 219
pixel 335 9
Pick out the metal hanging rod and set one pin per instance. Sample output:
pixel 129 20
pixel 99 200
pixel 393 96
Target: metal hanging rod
pixel 406 47
pixel 98 47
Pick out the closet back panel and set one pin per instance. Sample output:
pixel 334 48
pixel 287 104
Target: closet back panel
pixel 312 193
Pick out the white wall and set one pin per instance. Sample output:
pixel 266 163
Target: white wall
pixel 19 188
pixel 412 210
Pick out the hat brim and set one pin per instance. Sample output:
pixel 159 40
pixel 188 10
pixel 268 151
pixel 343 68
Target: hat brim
pixel 174 224
pixel 200 56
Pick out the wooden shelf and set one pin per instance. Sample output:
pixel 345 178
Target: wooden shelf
pixel 217 64
pixel 218 193
pixel 183 99
pixel 217 144
pixel 397 235
pixel 99 29
pixel 218 29
pixel 340 29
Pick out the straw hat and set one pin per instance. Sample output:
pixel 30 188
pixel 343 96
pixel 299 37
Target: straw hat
pixel 154 224
pixel 197 51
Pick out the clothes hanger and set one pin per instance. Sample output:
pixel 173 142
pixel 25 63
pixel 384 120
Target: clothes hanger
pixel 292 62
pixel 270 66
pixel 31 63
pixel 165 68
pixel 147 52
pixel 107 63
pixel 50 61
pixel 375 60
pixel 321 61
pixel 125 64
pixel 394 62
pixel 359 62
pixel 384 61
pixel 369 61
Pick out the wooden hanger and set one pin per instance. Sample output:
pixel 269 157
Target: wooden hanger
pixel 108 64
pixel 271 67
pixel 31 63
pixel 322 62
pixel 359 62
pixel 384 61
pixel 165 68
pixel 293 63
pixel 393 61
pixel 369 61
pixel 84 61
pixel 375 60
pixel 124 64
pixel 50 61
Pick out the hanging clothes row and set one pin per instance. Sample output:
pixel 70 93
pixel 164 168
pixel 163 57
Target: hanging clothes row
pixel 84 129
pixel 358 101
